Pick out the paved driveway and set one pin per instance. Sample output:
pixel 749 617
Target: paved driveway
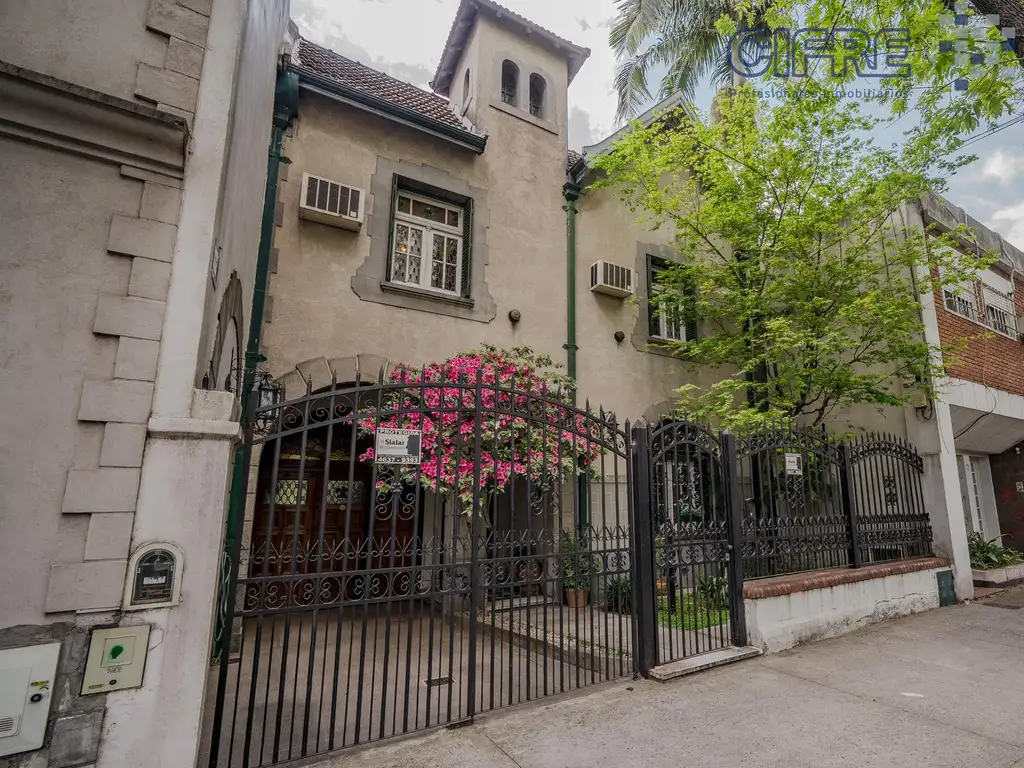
pixel 945 688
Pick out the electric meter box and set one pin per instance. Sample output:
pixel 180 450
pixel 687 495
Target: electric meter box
pixel 27 682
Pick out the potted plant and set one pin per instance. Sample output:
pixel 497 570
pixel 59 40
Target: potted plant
pixel 578 569
pixel 993 564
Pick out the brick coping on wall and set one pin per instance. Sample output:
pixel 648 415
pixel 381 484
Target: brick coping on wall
pixel 777 586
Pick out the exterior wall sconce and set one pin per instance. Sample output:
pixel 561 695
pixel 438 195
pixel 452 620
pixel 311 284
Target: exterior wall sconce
pixel 620 337
pixel 514 315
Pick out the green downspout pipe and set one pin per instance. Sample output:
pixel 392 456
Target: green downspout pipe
pixel 571 193
pixel 286 104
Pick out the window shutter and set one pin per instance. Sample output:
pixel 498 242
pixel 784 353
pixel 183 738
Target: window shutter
pixel 391 223
pixel 691 329
pixel 467 248
pixel 653 328
pixel 691 314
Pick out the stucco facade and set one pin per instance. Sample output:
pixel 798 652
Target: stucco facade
pixel 336 306
pixel 120 158
pixel 329 304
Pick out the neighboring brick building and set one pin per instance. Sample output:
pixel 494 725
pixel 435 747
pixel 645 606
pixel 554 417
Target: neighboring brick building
pixel 992 358
pixel 985 391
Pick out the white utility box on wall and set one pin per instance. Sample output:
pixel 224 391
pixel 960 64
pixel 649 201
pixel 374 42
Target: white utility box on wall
pixel 27 681
pixel 117 659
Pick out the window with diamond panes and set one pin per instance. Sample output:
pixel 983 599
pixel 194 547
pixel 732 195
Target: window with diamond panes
pixel 427 244
pixel 337 493
pixel 288 492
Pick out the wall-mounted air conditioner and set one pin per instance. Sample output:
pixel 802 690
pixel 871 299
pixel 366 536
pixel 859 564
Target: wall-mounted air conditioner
pixel 331 203
pixel 1020 327
pixel 611 279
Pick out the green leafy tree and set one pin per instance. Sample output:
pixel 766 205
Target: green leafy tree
pixel 686 42
pixel 794 252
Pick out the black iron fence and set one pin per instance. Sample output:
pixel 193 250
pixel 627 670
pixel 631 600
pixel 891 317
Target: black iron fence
pixel 811 501
pixel 532 547
pixel 483 561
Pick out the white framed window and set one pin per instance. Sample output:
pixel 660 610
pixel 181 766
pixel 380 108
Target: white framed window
pixel 988 301
pixel 666 322
pixel 962 300
pixel 669 326
pixel 975 490
pixel 427 247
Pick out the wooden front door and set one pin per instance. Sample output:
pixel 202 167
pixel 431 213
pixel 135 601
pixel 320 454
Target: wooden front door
pixel 326 525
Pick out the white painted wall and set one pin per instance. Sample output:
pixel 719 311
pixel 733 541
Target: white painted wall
pixel 186 297
pixel 985 419
pixel 778 623
pixel 934 438
pixel 184 488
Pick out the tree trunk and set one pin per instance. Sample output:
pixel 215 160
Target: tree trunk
pixel 738 78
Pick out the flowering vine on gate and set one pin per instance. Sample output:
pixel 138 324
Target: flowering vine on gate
pixel 527 423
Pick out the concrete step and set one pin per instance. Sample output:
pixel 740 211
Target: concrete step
pixel 674 669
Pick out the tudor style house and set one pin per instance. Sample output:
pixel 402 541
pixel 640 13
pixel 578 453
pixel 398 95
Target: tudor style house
pixel 417 224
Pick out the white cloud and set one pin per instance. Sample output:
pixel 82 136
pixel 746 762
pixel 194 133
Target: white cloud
pixel 1013 228
pixel 1002 165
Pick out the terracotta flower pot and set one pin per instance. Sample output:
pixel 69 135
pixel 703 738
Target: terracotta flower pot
pixel 576 598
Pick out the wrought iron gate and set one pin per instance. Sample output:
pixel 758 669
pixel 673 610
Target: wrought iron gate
pixel 689 563
pixel 535 548
pixel 368 600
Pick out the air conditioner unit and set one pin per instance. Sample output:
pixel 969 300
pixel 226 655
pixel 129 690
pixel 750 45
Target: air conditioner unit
pixel 611 279
pixel 331 203
pixel 1020 327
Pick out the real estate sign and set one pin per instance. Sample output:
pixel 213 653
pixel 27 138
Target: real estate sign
pixel 397 446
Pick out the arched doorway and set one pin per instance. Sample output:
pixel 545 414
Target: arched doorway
pixel 317 513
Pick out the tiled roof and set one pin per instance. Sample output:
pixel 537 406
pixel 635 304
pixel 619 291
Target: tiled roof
pixel 327 63
pixel 332 65
pixel 463 22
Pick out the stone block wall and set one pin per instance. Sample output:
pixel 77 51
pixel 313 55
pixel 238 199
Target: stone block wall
pixel 108 491
pixel 175 86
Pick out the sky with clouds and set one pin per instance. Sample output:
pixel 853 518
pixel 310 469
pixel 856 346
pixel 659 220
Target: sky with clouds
pixel 404 38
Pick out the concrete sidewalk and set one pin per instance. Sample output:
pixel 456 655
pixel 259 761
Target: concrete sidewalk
pixel 944 688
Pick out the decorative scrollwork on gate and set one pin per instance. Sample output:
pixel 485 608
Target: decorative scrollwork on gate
pixel 891 494
pixel 897 448
pixel 672 434
pixel 788 438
